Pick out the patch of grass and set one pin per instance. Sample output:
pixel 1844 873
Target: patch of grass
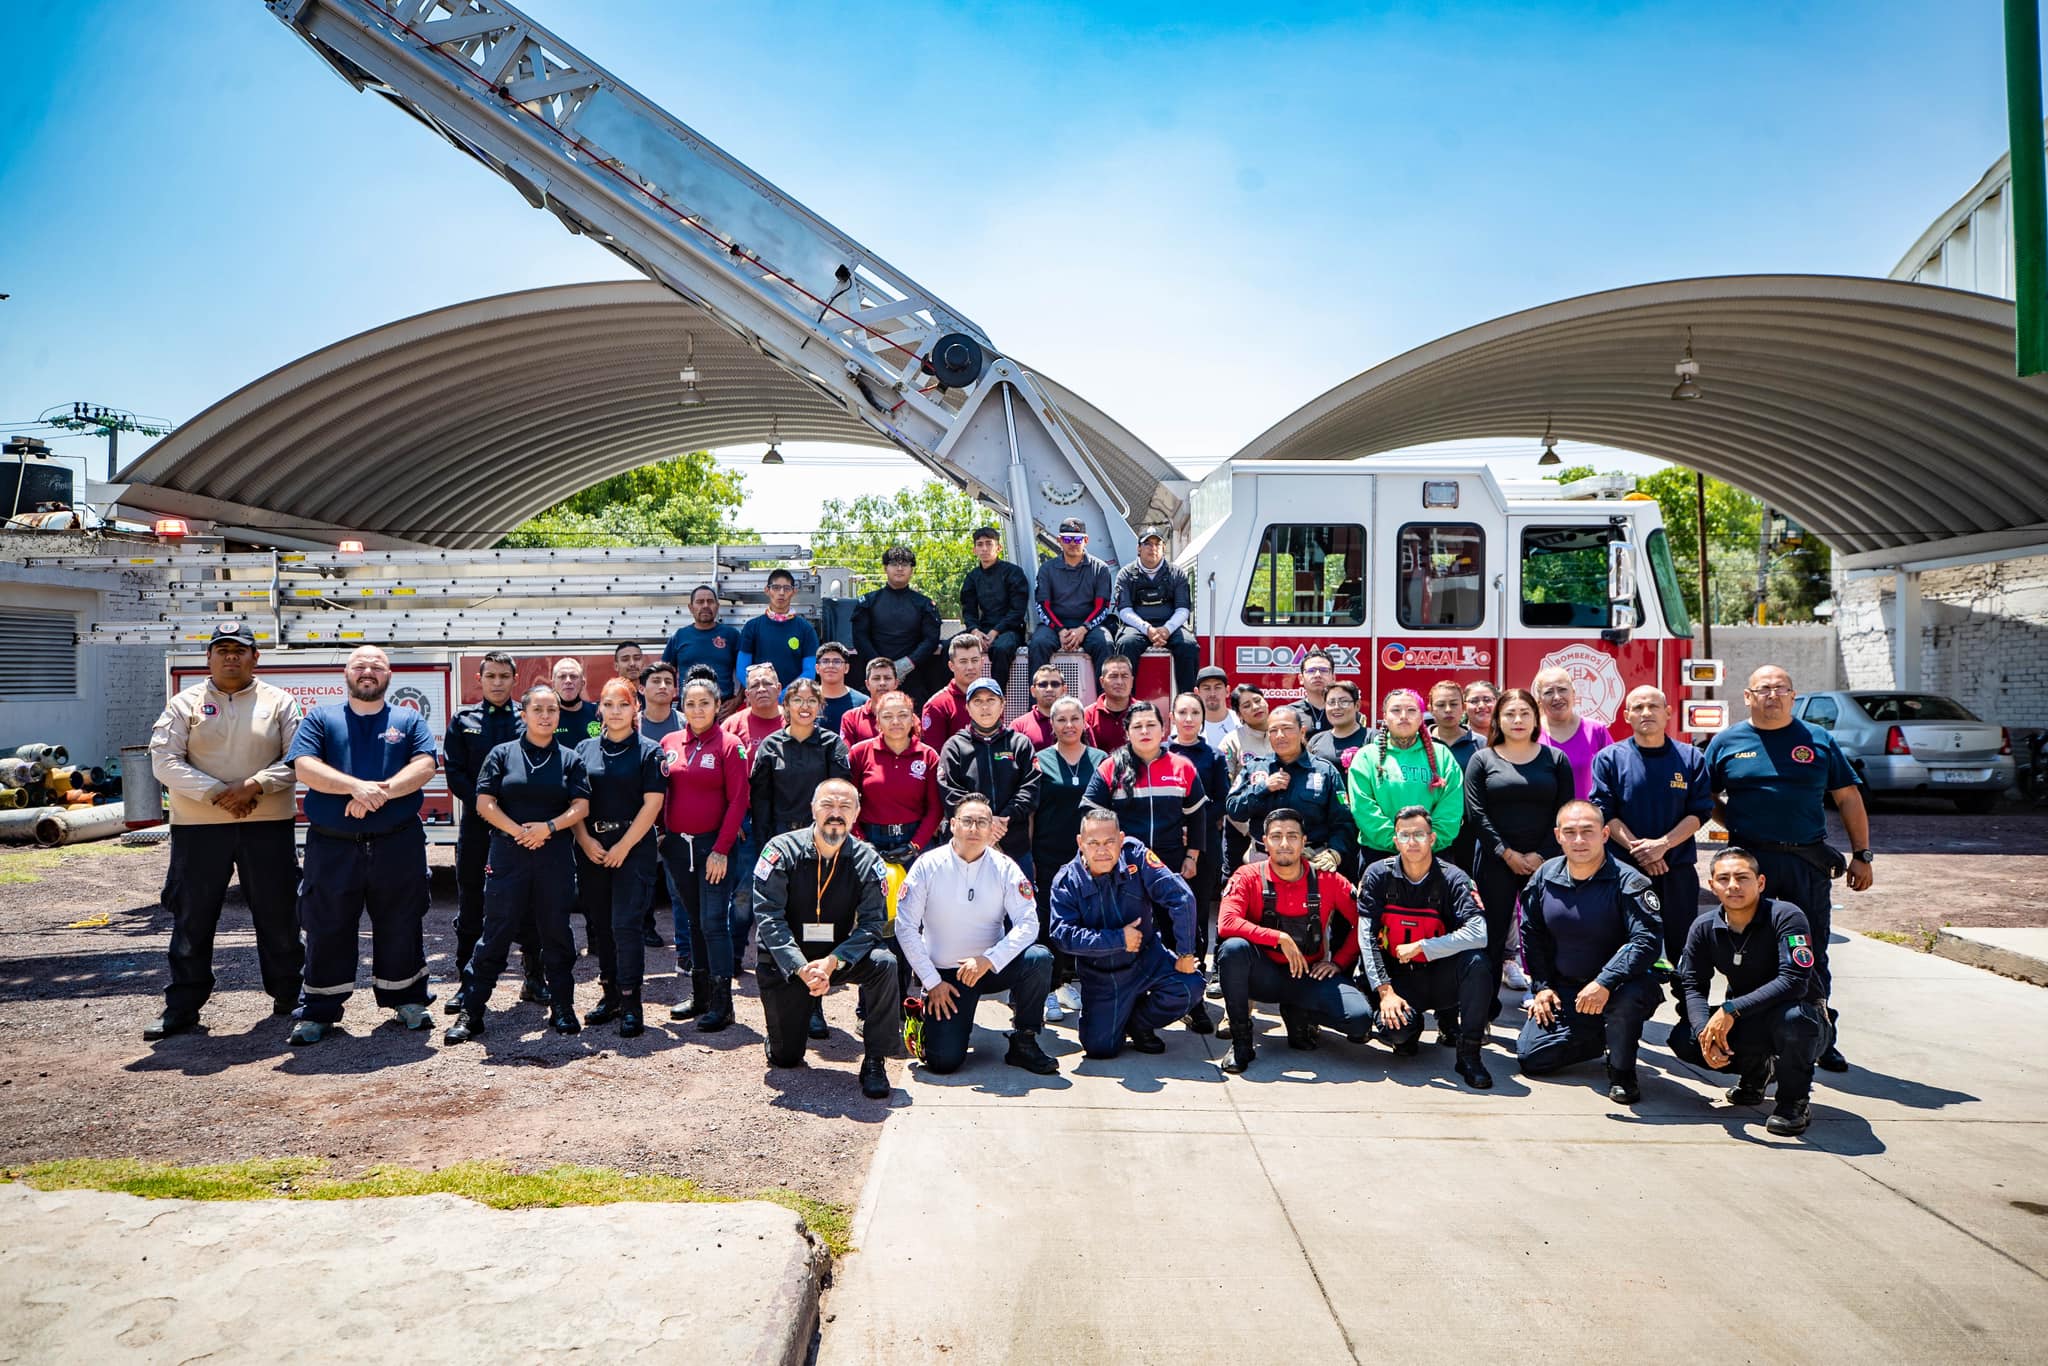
pixel 1920 941
pixel 489 1183
pixel 19 866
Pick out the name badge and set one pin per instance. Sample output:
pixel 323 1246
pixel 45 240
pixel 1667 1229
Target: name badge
pixel 817 932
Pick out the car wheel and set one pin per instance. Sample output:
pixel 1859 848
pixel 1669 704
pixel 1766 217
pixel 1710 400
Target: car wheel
pixel 1976 803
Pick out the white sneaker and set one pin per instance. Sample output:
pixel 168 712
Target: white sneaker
pixel 1511 973
pixel 1054 1012
pixel 1069 997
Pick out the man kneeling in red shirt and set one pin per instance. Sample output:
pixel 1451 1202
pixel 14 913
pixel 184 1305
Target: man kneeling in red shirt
pixel 1278 943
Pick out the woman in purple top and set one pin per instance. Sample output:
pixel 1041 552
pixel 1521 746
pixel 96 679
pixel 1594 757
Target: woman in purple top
pixel 1580 737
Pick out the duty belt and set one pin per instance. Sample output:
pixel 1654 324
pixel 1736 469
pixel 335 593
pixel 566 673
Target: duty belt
pixel 891 836
pixel 354 836
pixel 608 827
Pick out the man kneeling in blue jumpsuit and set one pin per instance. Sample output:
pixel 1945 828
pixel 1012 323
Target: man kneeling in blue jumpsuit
pixel 1103 906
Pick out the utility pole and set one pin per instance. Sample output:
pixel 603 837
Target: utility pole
pixel 1763 563
pixel 2029 197
pixel 108 422
pixel 1699 522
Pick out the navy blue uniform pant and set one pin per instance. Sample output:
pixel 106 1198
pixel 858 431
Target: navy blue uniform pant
pixel 786 1007
pixel 1572 1038
pixel 1187 657
pixel 1248 975
pixel 614 903
pixel 385 875
pixel 1678 903
pixel 1045 643
pixel 540 883
pixel 472 853
pixel 1460 989
pixel 1790 1035
pixel 1789 877
pixel 1028 978
pixel 203 858
pixel 1148 994
pixel 703 907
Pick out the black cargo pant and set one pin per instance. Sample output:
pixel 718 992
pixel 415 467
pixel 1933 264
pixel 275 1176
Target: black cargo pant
pixel 1790 1035
pixel 1461 989
pixel 786 1004
pixel 472 859
pixel 203 858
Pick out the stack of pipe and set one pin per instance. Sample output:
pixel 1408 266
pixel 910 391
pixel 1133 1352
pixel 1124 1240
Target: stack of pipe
pixel 46 799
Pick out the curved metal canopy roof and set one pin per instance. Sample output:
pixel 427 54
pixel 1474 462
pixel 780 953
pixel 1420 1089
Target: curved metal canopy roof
pixel 452 427
pixel 1878 413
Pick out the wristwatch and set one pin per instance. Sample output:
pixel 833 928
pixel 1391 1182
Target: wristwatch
pixel 1864 856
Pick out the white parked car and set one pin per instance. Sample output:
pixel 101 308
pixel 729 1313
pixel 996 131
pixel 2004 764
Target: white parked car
pixel 1916 742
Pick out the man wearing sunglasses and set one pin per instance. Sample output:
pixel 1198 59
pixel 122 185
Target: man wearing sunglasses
pixel 1073 597
pixel 1048 685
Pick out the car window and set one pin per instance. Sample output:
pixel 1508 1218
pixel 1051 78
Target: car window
pixel 1822 712
pixel 1891 707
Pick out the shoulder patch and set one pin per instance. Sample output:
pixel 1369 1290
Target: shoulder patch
pixel 1153 859
pixel 1026 890
pixel 1650 901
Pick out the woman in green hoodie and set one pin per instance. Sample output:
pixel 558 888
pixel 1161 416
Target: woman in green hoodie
pixel 1402 766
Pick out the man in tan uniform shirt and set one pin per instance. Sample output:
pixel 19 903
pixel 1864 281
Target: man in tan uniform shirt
pixel 219 750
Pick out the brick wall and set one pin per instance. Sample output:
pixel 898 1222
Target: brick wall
pixel 1983 640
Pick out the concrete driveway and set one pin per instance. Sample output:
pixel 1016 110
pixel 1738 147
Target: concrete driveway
pixel 1347 1205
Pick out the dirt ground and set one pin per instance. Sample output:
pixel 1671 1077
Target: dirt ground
pixel 76 1079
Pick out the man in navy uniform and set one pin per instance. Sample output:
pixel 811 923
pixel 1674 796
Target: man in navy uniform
pixel 1153 607
pixel 363 762
pixel 704 640
pixel 899 623
pixel 1591 932
pixel 995 603
pixel 1104 908
pixel 472 733
pixel 1772 774
pixel 1654 792
pixel 1310 787
pixel 1770 1018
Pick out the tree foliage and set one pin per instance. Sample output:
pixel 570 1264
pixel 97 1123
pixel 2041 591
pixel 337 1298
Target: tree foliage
pixel 684 500
pixel 1797 576
pixel 934 519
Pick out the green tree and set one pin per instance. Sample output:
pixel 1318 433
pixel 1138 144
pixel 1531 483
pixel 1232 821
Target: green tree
pixel 684 500
pixel 1798 574
pixel 933 519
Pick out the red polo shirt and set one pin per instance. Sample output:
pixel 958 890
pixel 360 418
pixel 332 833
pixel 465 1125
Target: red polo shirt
pixel 897 789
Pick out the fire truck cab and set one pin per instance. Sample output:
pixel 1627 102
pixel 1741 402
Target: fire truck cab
pixel 1407 574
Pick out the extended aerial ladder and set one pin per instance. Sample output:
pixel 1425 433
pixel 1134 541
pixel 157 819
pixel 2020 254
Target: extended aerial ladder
pixel 575 140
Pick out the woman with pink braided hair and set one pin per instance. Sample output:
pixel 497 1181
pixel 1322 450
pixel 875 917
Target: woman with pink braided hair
pixel 1402 766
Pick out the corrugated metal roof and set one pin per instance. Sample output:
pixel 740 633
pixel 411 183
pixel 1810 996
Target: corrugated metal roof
pixel 1878 413
pixel 452 427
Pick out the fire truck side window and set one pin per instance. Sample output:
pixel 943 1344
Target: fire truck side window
pixel 1669 592
pixel 1442 577
pixel 1564 576
pixel 1308 576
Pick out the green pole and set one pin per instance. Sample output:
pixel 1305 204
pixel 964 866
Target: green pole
pixel 2029 202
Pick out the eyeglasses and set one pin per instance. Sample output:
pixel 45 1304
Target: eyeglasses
pixel 1772 690
pixel 1072 540
pixel 1050 683
pixel 972 822
pixel 1555 692
pixel 1413 836
pixel 1315 668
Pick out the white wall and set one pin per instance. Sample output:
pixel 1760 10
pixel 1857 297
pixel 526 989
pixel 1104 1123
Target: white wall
pixel 1983 638
pixel 1805 650
pixel 120 688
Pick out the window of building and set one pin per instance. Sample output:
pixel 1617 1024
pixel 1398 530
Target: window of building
pixel 1308 575
pixel 1442 572
pixel 41 656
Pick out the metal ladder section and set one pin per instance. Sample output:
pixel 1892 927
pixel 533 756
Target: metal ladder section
pixel 575 140
pixel 432 597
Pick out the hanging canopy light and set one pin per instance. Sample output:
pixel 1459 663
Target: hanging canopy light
pixel 1688 371
pixel 1549 456
pixel 774 455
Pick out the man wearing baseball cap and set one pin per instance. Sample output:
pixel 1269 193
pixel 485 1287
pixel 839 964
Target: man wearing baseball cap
pixel 219 750
pixel 996 762
pixel 1153 607
pixel 1073 597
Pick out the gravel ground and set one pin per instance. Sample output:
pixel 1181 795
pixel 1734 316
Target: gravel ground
pixel 76 1079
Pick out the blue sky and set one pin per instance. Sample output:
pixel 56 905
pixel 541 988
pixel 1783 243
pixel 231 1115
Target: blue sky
pixel 1198 217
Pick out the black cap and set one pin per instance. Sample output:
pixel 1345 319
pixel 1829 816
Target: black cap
pixel 1151 533
pixel 1212 672
pixel 231 629
pixel 1073 526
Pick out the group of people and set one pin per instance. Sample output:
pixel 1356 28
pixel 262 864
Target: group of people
pixel 1111 862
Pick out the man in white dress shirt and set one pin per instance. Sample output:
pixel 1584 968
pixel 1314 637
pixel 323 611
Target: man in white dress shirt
pixel 967 924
